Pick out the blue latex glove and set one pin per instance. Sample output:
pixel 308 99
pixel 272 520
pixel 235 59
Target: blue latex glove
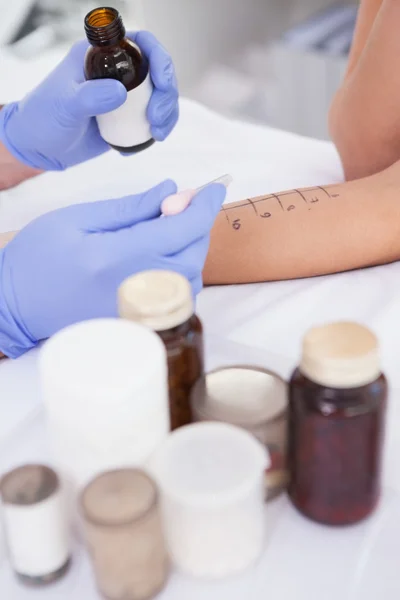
pixel 53 127
pixel 67 265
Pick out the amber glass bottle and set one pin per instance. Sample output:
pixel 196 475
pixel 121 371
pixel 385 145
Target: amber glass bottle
pixel 162 300
pixel 336 425
pixel 113 56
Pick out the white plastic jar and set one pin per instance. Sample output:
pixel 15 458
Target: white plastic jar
pixel 35 524
pixel 211 477
pixel 104 385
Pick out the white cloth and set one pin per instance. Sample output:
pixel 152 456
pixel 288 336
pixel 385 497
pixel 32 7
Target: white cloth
pixel 261 324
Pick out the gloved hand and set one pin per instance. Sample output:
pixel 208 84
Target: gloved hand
pixel 67 265
pixel 53 127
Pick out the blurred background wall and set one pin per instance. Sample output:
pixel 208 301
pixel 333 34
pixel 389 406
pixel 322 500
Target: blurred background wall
pixel 278 62
pixel 219 30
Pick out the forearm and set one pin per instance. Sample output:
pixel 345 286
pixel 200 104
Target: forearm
pixel 364 120
pixel 328 230
pixel 12 172
pixel 367 14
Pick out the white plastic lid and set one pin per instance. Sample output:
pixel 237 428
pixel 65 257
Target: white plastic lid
pixel 102 362
pixel 341 355
pixel 210 464
pixel 241 396
pixel 158 299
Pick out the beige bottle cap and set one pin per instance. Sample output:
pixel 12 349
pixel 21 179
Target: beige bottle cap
pixel 158 299
pixel 341 355
pixel 118 497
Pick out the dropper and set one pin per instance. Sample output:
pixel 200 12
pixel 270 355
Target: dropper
pixel 176 203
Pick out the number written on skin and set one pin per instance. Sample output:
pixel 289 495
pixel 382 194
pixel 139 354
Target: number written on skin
pixel 304 195
pixel 236 224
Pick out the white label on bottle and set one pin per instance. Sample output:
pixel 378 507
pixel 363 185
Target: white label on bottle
pixel 127 125
pixel 37 536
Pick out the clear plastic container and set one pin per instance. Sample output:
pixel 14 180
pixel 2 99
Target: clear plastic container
pixel 254 399
pixel 211 477
pixel 104 385
pixel 124 535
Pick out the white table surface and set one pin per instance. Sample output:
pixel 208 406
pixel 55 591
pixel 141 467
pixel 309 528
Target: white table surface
pixel 302 560
pixel 258 324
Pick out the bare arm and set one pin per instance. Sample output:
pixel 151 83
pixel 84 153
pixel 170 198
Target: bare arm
pixel 364 118
pixel 367 14
pixel 12 172
pixel 307 232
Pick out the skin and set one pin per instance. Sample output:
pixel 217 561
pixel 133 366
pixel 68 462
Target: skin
pixel 364 117
pixel 331 229
pixel 12 172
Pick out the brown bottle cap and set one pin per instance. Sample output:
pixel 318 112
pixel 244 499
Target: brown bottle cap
pixel 158 299
pixel 341 355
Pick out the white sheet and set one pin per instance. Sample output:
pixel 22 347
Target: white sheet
pixel 261 324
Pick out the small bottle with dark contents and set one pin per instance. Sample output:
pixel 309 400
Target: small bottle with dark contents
pixel 113 56
pixel 162 300
pixel 35 524
pixel 336 425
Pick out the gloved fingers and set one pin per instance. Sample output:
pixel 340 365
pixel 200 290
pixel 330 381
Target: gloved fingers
pixel 146 41
pixel 123 213
pixel 161 107
pixel 197 285
pixel 190 262
pixel 172 234
pixel 161 66
pixel 193 257
pixel 75 61
pixel 182 265
pixel 93 98
pixel 160 133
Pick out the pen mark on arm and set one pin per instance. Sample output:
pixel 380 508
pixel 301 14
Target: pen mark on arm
pixel 280 203
pixel 253 205
pixel 302 196
pixel 324 190
pixel 236 224
pixel 226 214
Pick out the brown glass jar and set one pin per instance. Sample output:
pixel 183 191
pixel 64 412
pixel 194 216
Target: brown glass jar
pixel 337 405
pixel 162 300
pixel 113 56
